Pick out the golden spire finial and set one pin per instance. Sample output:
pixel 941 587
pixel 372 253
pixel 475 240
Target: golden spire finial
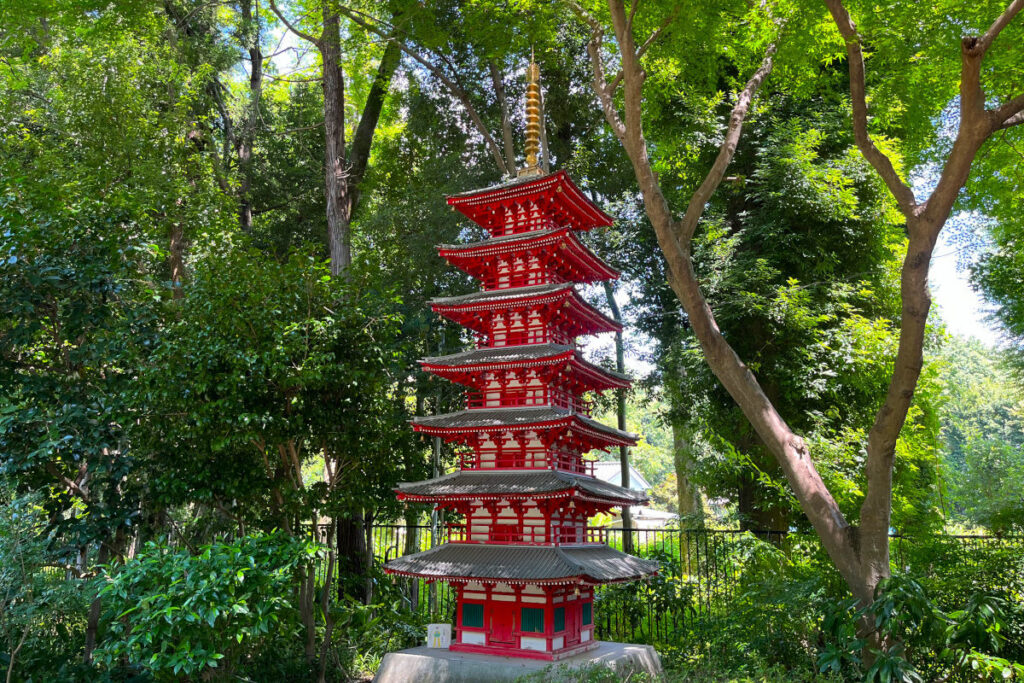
pixel 533 122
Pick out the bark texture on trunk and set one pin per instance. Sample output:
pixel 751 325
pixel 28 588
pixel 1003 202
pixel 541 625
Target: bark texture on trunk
pixel 247 136
pixel 336 180
pixel 689 503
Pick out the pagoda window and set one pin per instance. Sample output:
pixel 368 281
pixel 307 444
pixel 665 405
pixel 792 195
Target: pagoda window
pixel 531 620
pixel 588 613
pixel 559 619
pixel 472 615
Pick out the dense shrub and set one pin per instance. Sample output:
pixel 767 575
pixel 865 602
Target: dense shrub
pixel 171 612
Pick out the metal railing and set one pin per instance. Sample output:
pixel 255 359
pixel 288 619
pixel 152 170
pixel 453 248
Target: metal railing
pixel 700 571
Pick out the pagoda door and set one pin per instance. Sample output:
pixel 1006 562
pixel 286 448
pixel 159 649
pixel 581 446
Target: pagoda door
pixel 572 626
pixel 502 623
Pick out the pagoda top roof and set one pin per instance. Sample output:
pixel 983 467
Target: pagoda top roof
pixel 567 205
pixel 481 484
pixel 593 564
pixel 530 355
pixel 519 419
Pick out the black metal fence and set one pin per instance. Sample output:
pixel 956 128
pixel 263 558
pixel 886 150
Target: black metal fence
pixel 701 570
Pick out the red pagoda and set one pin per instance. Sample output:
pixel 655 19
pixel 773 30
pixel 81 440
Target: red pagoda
pixel 523 562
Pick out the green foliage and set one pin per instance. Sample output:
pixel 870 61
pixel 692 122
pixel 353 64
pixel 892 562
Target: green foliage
pixel 264 355
pixel 172 612
pixel 923 641
pixel 772 613
pixel 41 610
pixel 983 434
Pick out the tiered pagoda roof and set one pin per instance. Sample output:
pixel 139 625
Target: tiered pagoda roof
pixel 505 485
pixel 576 316
pixel 560 248
pixel 591 564
pixel 466 367
pixel 533 418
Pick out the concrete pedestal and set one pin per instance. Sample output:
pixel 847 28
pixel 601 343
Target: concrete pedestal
pixel 427 665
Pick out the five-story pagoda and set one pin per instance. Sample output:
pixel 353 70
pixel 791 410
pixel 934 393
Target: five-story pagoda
pixel 524 563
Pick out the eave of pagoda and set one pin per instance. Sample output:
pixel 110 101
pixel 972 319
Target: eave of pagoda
pixel 574 315
pixel 538 565
pixel 560 424
pixel 471 368
pixel 562 203
pixel 560 488
pixel 559 250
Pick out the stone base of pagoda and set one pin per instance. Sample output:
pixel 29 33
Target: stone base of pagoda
pixel 529 654
pixel 429 665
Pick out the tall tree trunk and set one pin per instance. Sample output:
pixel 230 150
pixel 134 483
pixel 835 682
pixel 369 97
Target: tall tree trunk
pixel 691 509
pixel 247 136
pixel 111 550
pixel 176 259
pixel 352 552
pixel 92 623
pixel 620 395
pixel 336 185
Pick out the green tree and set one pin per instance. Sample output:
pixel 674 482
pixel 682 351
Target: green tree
pixel 860 551
pixel 983 435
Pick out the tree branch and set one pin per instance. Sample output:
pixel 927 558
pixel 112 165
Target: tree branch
pixel 72 485
pixel 359 156
pixel 506 122
pixel 647 44
pixel 986 40
pixel 602 88
pixel 686 227
pixel 449 82
pixel 788 448
pixel 1014 120
pixel 1011 113
pixel 881 163
pixel 300 33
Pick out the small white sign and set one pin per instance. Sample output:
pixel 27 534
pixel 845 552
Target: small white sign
pixel 439 635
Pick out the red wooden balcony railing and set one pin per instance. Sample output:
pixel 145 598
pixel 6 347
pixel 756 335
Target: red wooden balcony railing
pixel 530 535
pixel 535 397
pixel 516 460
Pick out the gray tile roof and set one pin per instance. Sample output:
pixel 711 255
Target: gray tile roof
pixel 498 417
pixel 500 354
pixel 528 234
pixel 512 417
pixel 523 482
pixel 514 354
pixel 501 294
pixel 512 182
pixel 596 563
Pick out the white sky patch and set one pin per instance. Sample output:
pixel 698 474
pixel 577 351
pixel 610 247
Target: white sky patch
pixel 961 308
pixel 962 239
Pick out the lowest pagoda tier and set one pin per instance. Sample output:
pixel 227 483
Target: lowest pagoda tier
pixel 520 554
